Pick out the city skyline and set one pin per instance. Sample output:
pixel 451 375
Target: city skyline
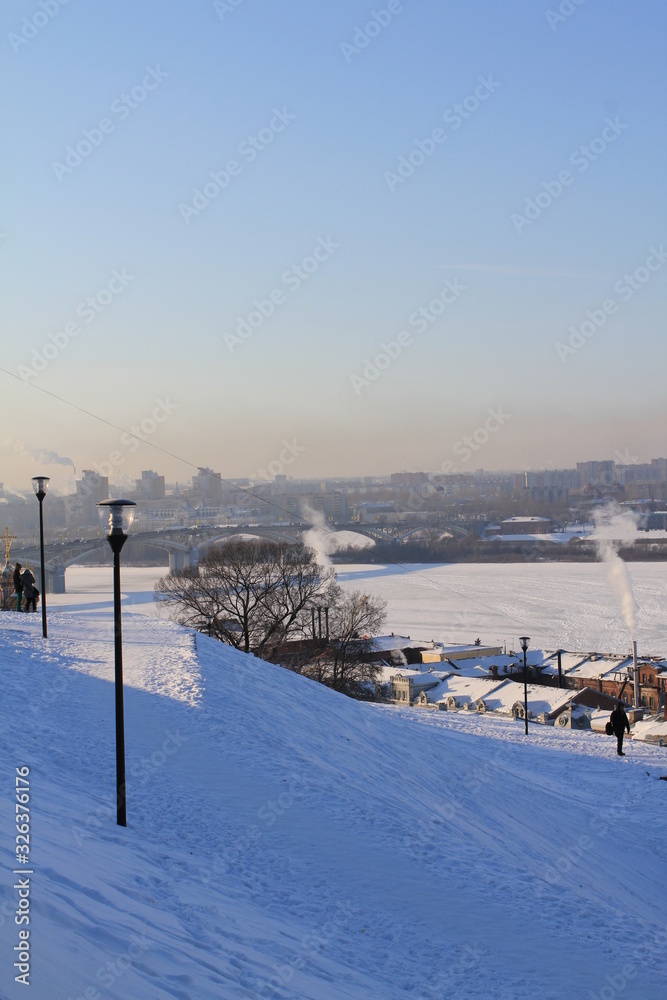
pixel 626 469
pixel 360 235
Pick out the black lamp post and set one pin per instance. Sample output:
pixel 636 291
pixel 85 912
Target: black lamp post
pixel 40 484
pixel 117 517
pixel 524 640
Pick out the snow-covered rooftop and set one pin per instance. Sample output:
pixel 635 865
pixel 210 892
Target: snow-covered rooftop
pixel 385 643
pixel 500 695
pixel 520 519
pixel 650 729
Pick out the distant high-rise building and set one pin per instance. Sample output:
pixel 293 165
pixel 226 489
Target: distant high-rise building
pixel 335 506
pixel 150 486
pixel 596 473
pixel 408 478
pixel 81 508
pixel 207 485
pixel 548 484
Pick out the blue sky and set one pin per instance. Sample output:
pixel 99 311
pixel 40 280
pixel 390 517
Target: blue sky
pixel 337 93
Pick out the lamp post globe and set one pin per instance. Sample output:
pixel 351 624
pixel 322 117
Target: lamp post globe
pixel 116 517
pixel 40 484
pixel 524 640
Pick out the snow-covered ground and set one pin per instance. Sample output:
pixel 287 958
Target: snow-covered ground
pixel 284 841
pixel 568 605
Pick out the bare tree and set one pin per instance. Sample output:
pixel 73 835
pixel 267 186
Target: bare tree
pixel 345 663
pixel 251 594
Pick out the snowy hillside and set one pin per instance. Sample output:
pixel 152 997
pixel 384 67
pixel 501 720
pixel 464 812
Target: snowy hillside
pixel 284 841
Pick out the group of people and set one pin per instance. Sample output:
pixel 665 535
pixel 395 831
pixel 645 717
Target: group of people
pixel 24 585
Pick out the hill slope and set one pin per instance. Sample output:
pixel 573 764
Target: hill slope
pixel 284 841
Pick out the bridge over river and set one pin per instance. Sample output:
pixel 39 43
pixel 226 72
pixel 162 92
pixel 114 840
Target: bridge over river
pixel 185 546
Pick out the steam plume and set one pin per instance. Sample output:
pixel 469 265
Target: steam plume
pixel 318 538
pixel 612 527
pixel 48 457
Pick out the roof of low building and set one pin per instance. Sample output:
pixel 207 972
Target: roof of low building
pixel 420 679
pixel 602 667
pixel 523 520
pixel 650 729
pixel 501 695
pixel 382 643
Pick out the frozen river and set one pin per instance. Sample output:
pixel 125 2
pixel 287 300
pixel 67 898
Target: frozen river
pixel 570 605
pixel 557 604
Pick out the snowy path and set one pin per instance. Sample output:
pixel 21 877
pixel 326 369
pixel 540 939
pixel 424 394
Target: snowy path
pixel 284 841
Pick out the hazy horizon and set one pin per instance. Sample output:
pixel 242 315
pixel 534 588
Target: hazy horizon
pixel 64 474
pixel 360 232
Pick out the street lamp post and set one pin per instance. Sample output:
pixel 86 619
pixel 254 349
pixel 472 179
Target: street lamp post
pixel 40 485
pixel 524 640
pixel 117 516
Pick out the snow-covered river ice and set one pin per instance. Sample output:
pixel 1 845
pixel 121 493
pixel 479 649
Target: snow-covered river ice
pixel 568 605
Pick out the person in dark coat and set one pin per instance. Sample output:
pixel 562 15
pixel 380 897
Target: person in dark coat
pixel 620 723
pixel 29 589
pixel 18 585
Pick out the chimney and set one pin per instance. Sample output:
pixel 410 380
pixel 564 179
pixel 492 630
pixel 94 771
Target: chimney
pixel 635 674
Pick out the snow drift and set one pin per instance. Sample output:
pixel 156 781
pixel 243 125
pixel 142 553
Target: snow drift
pixel 284 841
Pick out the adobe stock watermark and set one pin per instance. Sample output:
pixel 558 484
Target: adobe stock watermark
pixel 269 813
pixel 618 983
pixel 121 108
pixel 289 453
pixel 32 25
pixel 364 34
pixel 454 117
pixel 464 449
pixel 419 321
pixel 625 458
pixel 581 159
pixel 131 441
pixel 573 858
pixel 292 279
pixel 565 9
pixel 625 288
pixel 87 310
pixel 448 982
pixel 112 970
pixel 247 150
pixel 470 444
pixel 311 945
pixel 224 7
pixel 140 772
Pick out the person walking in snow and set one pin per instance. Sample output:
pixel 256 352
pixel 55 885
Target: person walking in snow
pixel 18 585
pixel 620 723
pixel 29 589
